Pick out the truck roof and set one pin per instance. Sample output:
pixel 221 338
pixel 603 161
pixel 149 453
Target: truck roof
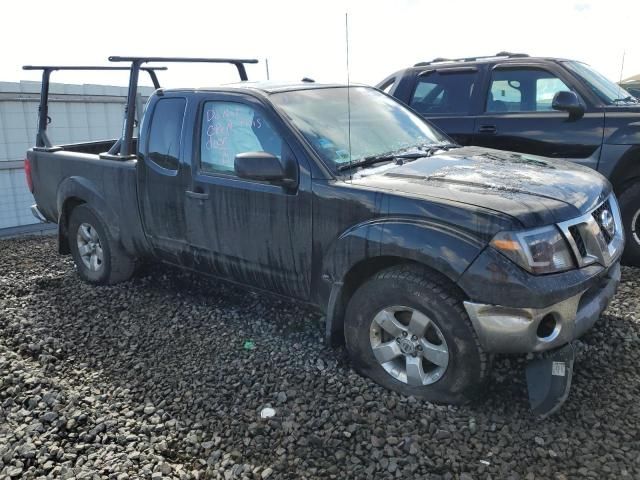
pixel 265 87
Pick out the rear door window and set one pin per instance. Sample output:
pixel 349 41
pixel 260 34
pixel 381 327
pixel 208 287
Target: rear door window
pixel 166 130
pixel 442 93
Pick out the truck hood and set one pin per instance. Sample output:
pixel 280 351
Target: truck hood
pixel 535 190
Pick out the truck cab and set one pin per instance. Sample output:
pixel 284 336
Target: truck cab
pixel 189 191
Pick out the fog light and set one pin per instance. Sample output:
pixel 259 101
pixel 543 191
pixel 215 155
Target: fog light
pixel 547 327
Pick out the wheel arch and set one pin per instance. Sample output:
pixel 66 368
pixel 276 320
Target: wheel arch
pixel 626 171
pixel 75 191
pixel 63 223
pixel 358 275
pixel 441 249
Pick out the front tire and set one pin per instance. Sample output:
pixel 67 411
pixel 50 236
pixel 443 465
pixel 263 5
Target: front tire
pixel 407 330
pixel 629 201
pixel 99 258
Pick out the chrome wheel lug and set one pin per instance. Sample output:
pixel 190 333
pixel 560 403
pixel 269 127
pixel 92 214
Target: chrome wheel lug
pixel 414 338
pixel 419 347
pixel 404 334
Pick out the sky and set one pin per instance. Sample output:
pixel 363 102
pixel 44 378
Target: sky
pixel 307 39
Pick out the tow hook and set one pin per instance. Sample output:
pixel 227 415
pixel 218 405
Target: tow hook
pixel 549 380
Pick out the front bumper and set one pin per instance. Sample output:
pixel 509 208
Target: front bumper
pixel 506 329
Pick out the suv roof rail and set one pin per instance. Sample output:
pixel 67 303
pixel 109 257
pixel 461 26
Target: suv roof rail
pixel 502 54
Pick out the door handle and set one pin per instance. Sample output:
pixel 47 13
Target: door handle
pixel 197 195
pixel 487 129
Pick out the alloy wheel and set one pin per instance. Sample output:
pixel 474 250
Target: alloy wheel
pixel 89 247
pixel 408 345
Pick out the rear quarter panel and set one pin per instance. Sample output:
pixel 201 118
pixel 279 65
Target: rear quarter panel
pixel 107 186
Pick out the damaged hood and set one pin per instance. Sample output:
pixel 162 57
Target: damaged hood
pixel 535 190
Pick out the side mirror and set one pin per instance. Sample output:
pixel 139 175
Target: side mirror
pixel 568 102
pixel 261 166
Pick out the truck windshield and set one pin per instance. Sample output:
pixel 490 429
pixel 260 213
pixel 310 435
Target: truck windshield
pixel 379 124
pixel 609 92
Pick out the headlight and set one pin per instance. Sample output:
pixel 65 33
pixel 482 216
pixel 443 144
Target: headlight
pixel 543 250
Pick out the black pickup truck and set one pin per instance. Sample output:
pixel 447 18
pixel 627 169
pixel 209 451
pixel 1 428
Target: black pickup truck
pixel 552 107
pixel 425 256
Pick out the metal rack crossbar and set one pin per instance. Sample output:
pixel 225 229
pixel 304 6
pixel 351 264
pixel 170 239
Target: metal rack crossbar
pixel 42 139
pixel 126 144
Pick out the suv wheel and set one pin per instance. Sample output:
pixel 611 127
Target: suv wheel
pixel 407 330
pixel 629 201
pixel 98 257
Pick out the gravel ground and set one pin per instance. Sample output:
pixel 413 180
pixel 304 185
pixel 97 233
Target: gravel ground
pixel 154 378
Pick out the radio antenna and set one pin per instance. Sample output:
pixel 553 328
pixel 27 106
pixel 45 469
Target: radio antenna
pixel 346 26
pixel 266 63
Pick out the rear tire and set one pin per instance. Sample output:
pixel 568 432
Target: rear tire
pixel 629 201
pixel 445 365
pixel 99 258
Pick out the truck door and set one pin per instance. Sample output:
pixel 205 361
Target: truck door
pixel 518 116
pixel 251 231
pixel 444 97
pixel 161 177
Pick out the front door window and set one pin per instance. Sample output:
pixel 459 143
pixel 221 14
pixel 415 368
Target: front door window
pixel 523 90
pixel 230 128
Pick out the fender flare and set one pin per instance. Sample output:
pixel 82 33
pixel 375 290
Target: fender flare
pixel 627 169
pixel 77 188
pixel 391 241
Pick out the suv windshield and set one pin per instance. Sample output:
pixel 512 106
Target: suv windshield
pixel 609 92
pixel 379 124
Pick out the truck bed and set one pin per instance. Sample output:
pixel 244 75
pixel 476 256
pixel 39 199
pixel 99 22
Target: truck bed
pixel 95 148
pixel 70 172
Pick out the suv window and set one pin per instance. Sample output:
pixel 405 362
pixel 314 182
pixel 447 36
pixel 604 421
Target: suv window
pixel 164 135
pixel 523 90
pixel 230 128
pixel 444 93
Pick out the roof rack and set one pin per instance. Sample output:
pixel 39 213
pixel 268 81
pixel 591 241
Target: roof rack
pixel 42 139
pixel 126 145
pixel 123 148
pixel 472 59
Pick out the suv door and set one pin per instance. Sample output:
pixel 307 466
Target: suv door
pixel 518 116
pixel 254 232
pixel 444 97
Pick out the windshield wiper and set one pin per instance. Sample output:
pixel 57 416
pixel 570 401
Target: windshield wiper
pixel 385 157
pixel 434 147
pixel 424 150
pixel 628 99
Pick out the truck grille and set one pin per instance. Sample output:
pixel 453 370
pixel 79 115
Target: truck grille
pixel 577 237
pixel 596 237
pixel 600 215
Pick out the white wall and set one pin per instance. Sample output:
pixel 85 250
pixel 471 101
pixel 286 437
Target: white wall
pixel 78 112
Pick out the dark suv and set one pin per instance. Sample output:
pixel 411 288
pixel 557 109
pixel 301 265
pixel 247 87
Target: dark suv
pixel 543 106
